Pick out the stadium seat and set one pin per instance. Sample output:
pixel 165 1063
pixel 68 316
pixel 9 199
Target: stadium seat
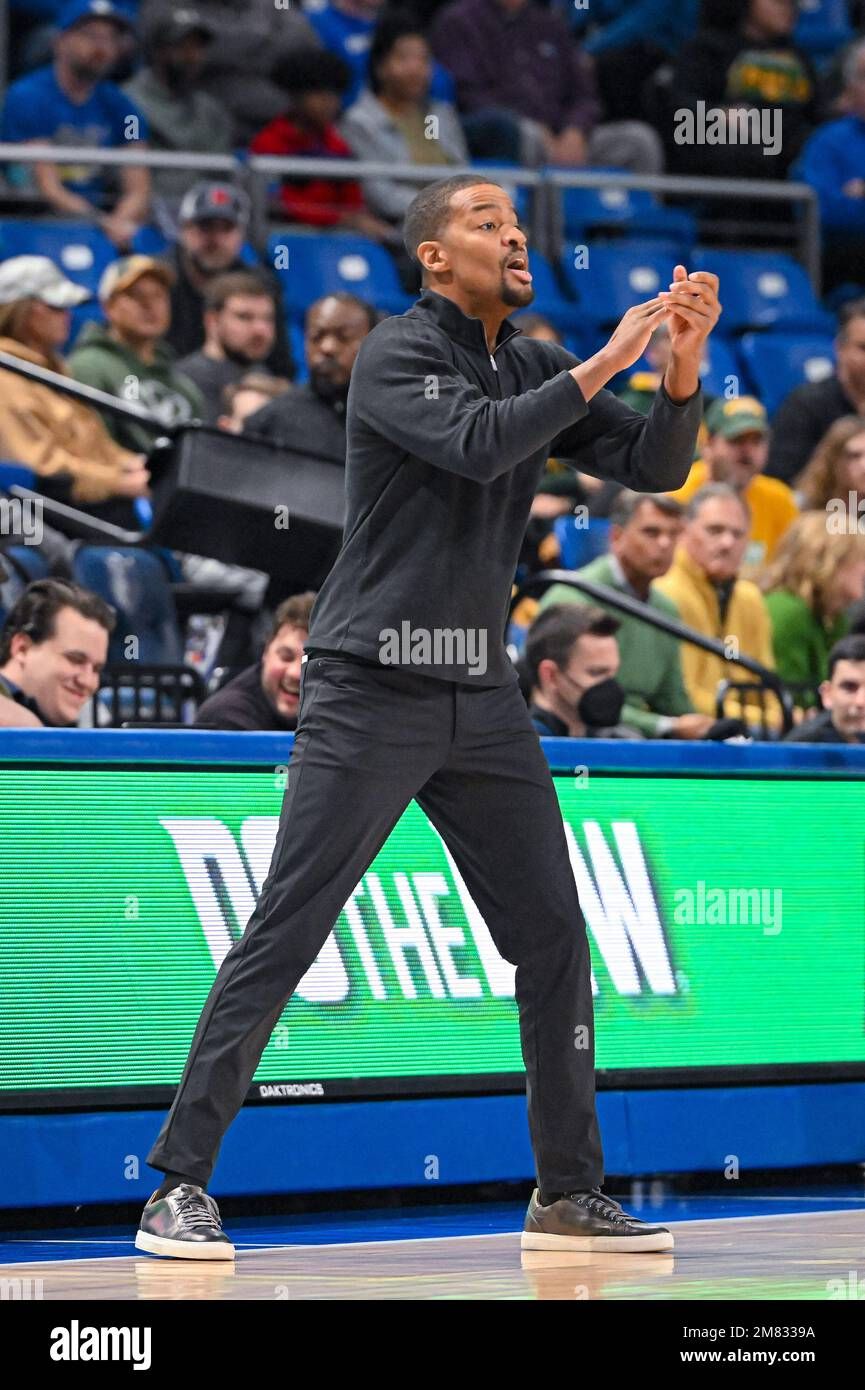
pixel 318 265
pixel 720 370
pixel 298 351
pixel 551 299
pixel 29 562
pixel 134 582
pixel 80 249
pixel 618 276
pixel 578 544
pixel 763 289
pixel 823 26
pixel 778 362
pixel 16 475
pixel 589 211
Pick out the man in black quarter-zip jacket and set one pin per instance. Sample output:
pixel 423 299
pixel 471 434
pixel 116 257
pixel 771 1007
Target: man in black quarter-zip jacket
pixel 407 692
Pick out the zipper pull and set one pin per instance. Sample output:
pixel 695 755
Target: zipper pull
pixel 493 360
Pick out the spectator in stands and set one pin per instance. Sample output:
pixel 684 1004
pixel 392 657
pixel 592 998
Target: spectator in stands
pixel 240 327
pixel 627 41
pixel 804 417
pixel 128 355
pixel 213 222
pixel 266 695
pixel 571 663
pixel 742 62
pixel 61 439
pixel 843 697
pixel 53 646
pixel 246 397
pixel 179 114
pixel 703 582
pixel 815 576
pixel 833 163
pixel 312 416
pixel 347 28
pixel 517 60
pixel 643 537
pixel 314 81
pixel 70 102
pixel 836 469
pixel 395 122
pixel 249 39
pixel 735 452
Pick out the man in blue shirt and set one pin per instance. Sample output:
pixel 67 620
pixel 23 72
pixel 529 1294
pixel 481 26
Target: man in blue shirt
pixel 70 102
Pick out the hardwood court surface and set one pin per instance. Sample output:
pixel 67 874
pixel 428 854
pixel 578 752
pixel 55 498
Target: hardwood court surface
pixel 803 1256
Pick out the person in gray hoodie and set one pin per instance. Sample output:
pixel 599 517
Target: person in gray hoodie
pixel 393 121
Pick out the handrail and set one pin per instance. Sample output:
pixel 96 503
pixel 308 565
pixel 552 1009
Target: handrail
pixel 635 608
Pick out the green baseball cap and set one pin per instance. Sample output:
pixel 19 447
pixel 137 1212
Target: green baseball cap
pixel 741 415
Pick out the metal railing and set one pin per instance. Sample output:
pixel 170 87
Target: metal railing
pixel 635 608
pixel 255 172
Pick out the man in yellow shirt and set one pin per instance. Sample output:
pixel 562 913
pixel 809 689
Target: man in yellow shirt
pixel 736 452
pixel 703 582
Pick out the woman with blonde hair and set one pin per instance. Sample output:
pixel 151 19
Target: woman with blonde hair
pixel 61 439
pixel 814 576
pixel 837 466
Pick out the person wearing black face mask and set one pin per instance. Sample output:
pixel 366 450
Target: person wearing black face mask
pixel 571 661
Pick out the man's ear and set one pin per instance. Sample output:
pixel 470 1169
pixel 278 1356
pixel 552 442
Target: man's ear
pixel 824 689
pixel 433 257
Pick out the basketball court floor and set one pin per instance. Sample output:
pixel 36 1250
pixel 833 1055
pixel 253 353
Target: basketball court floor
pixel 807 1246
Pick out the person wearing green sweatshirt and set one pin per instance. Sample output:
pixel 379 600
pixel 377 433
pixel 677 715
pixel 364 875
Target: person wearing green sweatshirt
pixel 128 357
pixel 643 536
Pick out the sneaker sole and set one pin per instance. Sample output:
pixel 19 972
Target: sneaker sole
pixel 183 1249
pixel 623 1245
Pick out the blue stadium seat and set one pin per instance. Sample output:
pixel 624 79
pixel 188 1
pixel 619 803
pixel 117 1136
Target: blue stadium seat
pixel 778 362
pixel 16 475
pixel 134 582
pixel 80 249
pixel 550 299
pixel 589 211
pixel 298 351
pixel 720 369
pixel 319 265
pixel 579 544
pixel 618 275
pixel 763 289
pixel 29 561
pixel 823 26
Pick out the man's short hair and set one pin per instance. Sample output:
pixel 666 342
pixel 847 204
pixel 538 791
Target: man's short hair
pixel 295 611
pixel 711 492
pixel 626 504
pixel 553 633
pixel 430 210
pixel 851 648
pixel 235 282
pixel 353 301
pixel 35 612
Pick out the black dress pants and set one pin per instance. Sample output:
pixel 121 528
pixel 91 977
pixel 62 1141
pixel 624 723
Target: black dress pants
pixel 369 740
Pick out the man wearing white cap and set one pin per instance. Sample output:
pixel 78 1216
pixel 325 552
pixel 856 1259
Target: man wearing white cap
pixel 62 440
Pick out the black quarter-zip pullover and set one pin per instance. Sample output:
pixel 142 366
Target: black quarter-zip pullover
pixel 446 443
